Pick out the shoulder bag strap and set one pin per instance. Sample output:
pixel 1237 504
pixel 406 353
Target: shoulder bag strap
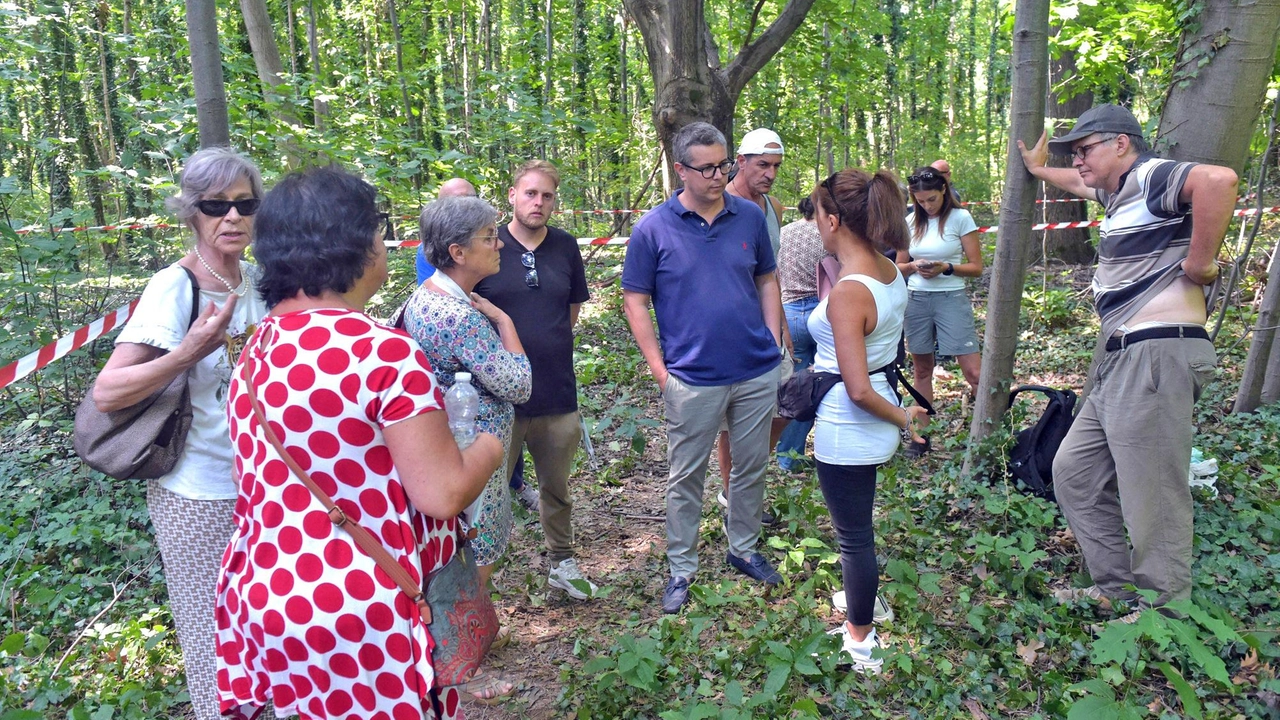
pixel 894 372
pixel 362 537
pixel 195 296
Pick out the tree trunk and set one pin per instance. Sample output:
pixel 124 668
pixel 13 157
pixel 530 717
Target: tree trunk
pixel 404 88
pixel 1263 365
pixel 266 57
pixel 1221 75
pixel 1218 89
pixel 688 79
pixel 1030 58
pixel 319 106
pixel 1070 246
pixel 206 73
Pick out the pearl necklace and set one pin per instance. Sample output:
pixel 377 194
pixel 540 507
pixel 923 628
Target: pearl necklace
pixel 214 273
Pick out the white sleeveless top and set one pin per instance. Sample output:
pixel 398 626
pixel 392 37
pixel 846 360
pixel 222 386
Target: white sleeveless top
pixel 845 434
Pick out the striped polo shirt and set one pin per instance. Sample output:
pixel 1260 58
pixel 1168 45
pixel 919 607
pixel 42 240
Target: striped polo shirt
pixel 1144 238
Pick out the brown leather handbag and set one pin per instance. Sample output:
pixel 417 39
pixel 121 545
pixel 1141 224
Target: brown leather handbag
pixel 455 605
pixel 143 441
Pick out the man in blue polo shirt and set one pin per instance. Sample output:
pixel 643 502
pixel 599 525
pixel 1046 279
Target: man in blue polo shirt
pixel 704 259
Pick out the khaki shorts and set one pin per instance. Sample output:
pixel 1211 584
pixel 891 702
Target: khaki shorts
pixel 946 317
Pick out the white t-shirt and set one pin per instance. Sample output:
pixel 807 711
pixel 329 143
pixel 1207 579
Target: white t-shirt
pixel 843 433
pixel 941 246
pixel 204 471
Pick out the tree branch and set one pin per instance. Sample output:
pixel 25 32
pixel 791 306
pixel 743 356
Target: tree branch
pixel 755 54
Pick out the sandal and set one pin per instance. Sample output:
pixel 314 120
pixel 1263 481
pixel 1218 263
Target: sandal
pixel 488 688
pixel 502 640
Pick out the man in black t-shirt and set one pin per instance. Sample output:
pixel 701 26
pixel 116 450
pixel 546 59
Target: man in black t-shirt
pixel 542 285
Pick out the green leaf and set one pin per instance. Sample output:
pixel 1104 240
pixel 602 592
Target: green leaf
pixel 13 643
pixel 1092 707
pixel 733 693
pixel 1115 643
pixel 777 679
pixel 21 715
pixel 976 615
pixel 1200 654
pixel 902 572
pixel 806 666
pixel 1187 694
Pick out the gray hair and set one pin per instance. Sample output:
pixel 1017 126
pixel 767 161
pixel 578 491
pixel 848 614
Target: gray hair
pixel 209 172
pixel 695 133
pixel 451 221
pixel 1135 141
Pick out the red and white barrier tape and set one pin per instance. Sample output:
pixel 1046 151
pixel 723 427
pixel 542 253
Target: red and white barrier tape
pixel 46 355
pixel 99 228
pixel 15 371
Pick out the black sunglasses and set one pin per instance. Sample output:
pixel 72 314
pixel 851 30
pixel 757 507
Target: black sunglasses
pixel 388 230
pixel 531 277
pixel 926 176
pixel 830 186
pixel 219 208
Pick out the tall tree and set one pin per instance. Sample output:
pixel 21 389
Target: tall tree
pixel 1070 245
pixel 1013 244
pixel 206 73
pixel 1224 62
pixel 690 82
pixel 266 57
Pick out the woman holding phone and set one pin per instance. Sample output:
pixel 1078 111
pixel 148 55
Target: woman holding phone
pixel 944 251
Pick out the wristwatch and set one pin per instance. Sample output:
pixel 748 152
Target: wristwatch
pixel 950 269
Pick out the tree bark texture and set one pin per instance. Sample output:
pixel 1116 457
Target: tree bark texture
pixel 1070 246
pixel 1263 364
pixel 1219 82
pixel 1017 212
pixel 206 73
pixel 690 83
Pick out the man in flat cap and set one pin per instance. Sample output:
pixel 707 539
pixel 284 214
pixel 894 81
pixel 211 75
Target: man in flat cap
pixel 1123 465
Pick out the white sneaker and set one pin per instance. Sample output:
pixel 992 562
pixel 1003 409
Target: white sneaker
pixel 566 576
pixel 724 501
pixel 859 654
pixel 529 497
pixel 880 611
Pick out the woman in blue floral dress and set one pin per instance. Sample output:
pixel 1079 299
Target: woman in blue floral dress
pixel 462 332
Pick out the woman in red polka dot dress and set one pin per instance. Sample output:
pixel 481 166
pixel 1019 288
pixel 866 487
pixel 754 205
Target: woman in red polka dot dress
pixel 305 619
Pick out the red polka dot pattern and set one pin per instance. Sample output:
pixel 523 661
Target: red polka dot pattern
pixel 303 615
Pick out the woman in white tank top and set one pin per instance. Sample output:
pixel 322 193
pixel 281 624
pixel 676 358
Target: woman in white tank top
pixel 860 420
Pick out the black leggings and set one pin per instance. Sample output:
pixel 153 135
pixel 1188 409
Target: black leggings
pixel 850 491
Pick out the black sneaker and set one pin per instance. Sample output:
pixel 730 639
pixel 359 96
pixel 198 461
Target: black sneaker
pixel 754 567
pixel 675 595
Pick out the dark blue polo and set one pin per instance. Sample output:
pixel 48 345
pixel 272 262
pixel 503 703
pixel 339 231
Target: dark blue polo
pixel 702 280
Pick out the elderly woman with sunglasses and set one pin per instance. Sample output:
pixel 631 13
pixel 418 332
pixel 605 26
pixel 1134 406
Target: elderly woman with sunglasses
pixel 192 507
pixel 462 332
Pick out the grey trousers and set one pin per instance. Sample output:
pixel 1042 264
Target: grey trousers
pixel 553 442
pixel 1123 466
pixel 693 416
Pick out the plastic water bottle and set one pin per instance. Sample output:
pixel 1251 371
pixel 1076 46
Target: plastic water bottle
pixel 462 403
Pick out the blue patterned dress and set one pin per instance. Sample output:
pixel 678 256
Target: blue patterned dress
pixel 458 338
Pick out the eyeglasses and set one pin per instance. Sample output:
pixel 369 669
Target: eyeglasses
pixel 531 276
pixel 491 239
pixel 219 208
pixel 830 186
pixel 1082 151
pixel 709 171
pixel 923 177
pixel 388 230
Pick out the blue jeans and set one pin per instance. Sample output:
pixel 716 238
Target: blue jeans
pixel 796 433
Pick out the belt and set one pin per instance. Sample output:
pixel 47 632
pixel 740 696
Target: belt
pixel 1156 333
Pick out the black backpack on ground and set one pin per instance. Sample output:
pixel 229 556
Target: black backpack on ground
pixel 1031 458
